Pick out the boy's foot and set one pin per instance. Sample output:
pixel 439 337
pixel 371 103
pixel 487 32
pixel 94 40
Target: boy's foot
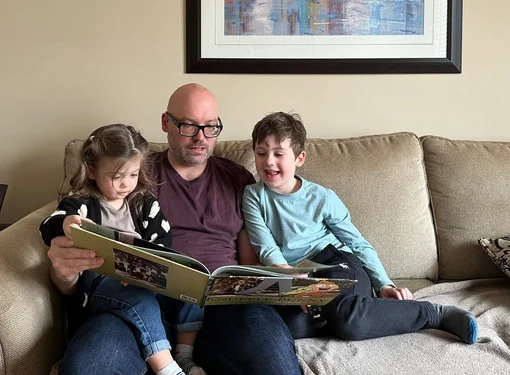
pixel 184 357
pixel 457 321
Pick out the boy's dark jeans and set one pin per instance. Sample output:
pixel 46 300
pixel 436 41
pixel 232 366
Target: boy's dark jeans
pixel 355 314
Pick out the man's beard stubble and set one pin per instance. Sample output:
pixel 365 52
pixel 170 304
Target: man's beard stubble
pixel 188 159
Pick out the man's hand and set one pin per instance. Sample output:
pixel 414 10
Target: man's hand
pixel 68 262
pixel 397 293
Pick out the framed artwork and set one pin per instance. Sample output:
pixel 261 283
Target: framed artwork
pixel 323 36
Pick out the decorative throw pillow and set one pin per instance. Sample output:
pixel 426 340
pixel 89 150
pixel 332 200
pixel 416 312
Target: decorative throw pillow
pixel 498 250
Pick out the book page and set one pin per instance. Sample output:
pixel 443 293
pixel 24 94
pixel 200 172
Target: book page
pixel 145 245
pixel 274 290
pixel 245 271
pixel 305 266
pixel 143 269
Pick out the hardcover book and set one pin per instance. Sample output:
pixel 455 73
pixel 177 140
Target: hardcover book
pixel 166 271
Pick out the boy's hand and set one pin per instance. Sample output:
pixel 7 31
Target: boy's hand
pixel 281 265
pixel 397 293
pixel 72 219
pixel 288 266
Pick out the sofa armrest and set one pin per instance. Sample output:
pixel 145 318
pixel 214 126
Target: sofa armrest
pixel 31 309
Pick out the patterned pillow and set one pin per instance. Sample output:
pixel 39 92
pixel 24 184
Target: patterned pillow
pixel 499 251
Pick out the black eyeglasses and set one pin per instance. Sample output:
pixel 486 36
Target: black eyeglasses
pixel 190 130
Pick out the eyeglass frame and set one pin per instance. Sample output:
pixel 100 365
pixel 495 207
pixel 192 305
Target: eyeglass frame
pixel 197 127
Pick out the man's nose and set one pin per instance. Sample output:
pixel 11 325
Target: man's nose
pixel 200 135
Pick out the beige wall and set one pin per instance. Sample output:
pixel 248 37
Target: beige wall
pixel 67 67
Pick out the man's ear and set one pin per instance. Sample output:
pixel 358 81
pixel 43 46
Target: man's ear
pixel 300 160
pixel 91 172
pixel 164 122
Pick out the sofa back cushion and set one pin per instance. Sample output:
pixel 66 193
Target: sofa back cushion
pixel 380 178
pixel 469 185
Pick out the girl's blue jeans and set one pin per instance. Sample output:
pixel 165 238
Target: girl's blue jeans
pixel 140 309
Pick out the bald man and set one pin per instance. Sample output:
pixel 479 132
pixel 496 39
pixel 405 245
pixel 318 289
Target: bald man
pixel 200 195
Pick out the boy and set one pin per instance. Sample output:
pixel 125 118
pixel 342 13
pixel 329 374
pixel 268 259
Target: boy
pixel 289 219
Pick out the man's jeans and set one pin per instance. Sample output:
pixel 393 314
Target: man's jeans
pixel 355 314
pixel 235 340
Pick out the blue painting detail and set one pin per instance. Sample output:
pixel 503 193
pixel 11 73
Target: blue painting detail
pixel 324 17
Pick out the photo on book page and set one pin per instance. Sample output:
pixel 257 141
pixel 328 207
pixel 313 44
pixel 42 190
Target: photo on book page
pixel 136 268
pixel 274 286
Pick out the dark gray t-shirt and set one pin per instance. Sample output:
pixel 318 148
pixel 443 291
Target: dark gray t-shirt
pixel 205 214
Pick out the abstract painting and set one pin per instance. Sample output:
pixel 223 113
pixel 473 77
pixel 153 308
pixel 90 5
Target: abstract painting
pixel 323 36
pixel 324 17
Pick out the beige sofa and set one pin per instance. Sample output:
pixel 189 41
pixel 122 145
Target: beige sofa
pixel 423 203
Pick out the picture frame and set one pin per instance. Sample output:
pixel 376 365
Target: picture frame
pixel 202 33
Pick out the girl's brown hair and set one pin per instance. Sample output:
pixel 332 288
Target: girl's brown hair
pixel 116 141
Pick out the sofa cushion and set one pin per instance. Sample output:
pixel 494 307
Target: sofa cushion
pixel 380 178
pixel 499 251
pixel 468 182
pixel 428 351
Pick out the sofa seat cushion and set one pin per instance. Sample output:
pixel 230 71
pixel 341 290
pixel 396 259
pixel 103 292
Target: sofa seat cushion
pixel 427 351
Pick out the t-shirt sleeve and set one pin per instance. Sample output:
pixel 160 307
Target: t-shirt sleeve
pixel 249 177
pixel 248 180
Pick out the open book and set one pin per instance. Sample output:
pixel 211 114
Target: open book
pixel 166 271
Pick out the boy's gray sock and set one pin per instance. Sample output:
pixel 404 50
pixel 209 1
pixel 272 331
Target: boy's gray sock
pixel 171 369
pixel 457 321
pixel 184 357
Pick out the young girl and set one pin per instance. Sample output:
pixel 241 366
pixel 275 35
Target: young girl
pixel 112 188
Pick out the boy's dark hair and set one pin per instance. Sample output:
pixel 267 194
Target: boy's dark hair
pixel 112 141
pixel 282 125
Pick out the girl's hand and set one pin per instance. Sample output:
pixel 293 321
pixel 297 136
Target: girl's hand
pixel 72 219
pixel 397 293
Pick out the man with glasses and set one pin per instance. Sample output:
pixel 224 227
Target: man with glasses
pixel 200 195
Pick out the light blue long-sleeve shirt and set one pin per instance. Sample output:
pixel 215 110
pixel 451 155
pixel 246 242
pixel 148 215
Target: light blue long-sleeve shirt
pixel 285 229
